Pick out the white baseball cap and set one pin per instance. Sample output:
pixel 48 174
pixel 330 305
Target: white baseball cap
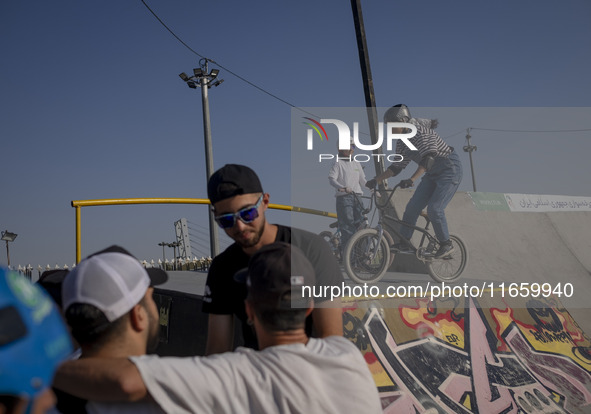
pixel 112 280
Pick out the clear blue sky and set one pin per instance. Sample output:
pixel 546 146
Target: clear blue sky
pixel 91 105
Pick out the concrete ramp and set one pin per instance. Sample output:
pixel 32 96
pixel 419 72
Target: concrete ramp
pixel 502 351
pixel 574 229
pixel 510 246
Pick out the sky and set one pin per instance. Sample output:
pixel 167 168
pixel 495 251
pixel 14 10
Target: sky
pixel 92 107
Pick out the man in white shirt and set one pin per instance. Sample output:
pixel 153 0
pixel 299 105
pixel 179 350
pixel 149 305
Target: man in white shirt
pixel 347 177
pixel 292 373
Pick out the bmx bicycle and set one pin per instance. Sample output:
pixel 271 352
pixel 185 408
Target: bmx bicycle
pixel 334 239
pixel 370 252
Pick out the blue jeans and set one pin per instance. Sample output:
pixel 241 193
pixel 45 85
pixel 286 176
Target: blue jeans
pixel 435 191
pixel 350 216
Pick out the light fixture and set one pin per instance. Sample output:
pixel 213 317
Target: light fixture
pixel 184 76
pixel 8 236
pixel 214 73
pixel 198 72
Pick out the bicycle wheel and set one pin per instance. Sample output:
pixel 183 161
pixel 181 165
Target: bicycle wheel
pixel 390 241
pixel 449 269
pixel 366 258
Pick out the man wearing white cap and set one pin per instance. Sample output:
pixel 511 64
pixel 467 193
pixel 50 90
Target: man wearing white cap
pixel 107 301
pixel 292 373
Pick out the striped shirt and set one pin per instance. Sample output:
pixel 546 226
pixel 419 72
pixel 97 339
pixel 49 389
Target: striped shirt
pixel 427 141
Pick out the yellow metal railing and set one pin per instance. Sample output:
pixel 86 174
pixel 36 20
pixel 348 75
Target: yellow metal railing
pixel 78 204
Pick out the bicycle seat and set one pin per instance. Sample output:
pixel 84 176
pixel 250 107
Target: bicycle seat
pixel 334 225
pixel 424 214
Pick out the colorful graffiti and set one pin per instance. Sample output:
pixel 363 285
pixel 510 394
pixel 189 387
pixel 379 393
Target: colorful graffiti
pixel 525 357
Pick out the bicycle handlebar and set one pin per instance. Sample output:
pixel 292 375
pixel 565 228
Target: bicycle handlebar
pixel 358 199
pixel 384 205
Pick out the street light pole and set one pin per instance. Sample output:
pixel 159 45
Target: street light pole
pixel 163 244
pixel 213 229
pixel 8 237
pixel 174 245
pixel 203 78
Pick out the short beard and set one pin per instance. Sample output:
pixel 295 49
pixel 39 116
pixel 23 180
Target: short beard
pixel 257 236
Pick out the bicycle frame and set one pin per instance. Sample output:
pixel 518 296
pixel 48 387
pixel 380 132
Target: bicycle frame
pixel 387 221
pixel 371 252
pixel 364 212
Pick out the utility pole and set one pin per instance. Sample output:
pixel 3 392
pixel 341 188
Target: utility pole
pixel 470 149
pixel 204 79
pixel 370 99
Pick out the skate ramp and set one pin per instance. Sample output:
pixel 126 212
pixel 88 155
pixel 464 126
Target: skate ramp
pixel 515 247
pixel 459 356
pixel 497 352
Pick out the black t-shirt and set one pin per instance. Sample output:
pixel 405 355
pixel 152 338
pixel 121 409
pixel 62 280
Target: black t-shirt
pixel 224 296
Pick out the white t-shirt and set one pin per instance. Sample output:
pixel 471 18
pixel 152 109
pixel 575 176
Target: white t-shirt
pixel 347 174
pixel 325 376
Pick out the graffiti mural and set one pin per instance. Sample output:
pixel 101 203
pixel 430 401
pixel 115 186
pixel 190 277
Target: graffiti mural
pixel 450 356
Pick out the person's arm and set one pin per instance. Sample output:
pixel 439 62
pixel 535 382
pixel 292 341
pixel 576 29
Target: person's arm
pixel 385 175
pixel 371 184
pixel 362 179
pixel 418 173
pixel 328 321
pixel 333 176
pixel 101 379
pixel 220 334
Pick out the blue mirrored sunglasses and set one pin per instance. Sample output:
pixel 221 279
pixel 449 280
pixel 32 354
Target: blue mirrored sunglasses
pixel 246 215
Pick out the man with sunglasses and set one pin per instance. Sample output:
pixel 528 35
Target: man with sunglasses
pixel 347 177
pixel 292 373
pixel 239 204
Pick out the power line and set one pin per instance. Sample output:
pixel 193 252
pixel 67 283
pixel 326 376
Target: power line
pixel 453 135
pixel 528 131
pixel 514 130
pixel 223 67
pixel 171 32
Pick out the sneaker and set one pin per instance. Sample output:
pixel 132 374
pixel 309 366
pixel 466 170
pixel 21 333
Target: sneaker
pixel 446 248
pixel 403 248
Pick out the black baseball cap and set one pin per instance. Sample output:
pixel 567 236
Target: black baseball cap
pixel 232 180
pixel 51 281
pixel 275 277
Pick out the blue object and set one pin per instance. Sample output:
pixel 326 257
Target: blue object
pixel 33 337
